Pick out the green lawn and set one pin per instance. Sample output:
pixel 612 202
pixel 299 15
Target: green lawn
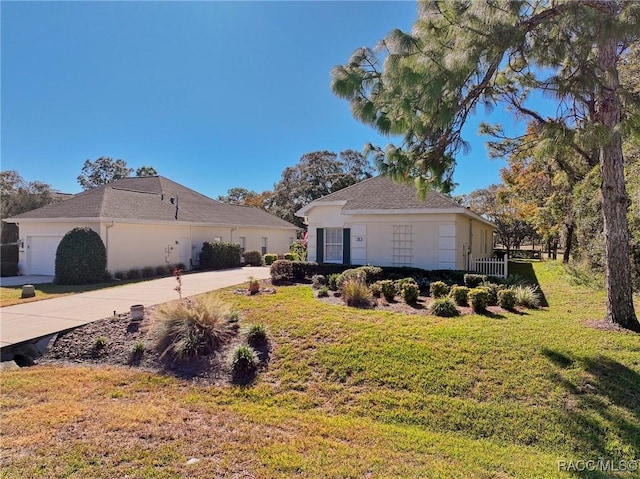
pixel 352 393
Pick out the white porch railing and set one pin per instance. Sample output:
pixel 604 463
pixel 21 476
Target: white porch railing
pixel 490 266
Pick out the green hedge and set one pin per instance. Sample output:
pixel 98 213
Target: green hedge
pixel 8 269
pixel 81 258
pixel 219 255
pixel 286 271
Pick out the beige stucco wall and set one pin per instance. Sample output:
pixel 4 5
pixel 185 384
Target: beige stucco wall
pixel 136 245
pixel 438 239
pixel 278 240
pixel 139 245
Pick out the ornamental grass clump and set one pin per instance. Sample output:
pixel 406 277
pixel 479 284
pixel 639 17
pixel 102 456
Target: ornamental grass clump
pixel 192 329
pixel 244 360
pixel 351 274
pixel 478 299
pixel 439 289
pixel 356 293
pixel 459 294
pixel 257 335
pixel 443 307
pixel 527 296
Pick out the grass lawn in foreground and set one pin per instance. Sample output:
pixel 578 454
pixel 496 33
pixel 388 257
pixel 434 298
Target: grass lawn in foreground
pixel 352 393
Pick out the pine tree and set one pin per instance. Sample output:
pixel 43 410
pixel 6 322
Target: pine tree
pixel 460 55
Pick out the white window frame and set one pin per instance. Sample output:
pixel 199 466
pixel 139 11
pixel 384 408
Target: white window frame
pixel 242 241
pixel 333 241
pixel 265 245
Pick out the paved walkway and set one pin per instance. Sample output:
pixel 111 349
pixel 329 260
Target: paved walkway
pixel 28 321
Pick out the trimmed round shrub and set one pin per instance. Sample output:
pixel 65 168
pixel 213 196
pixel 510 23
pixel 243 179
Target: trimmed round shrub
pixel 443 307
pixel 409 292
pixel 81 258
pixel 371 273
pixel 290 257
pixel 163 270
pixel 244 360
pixel 439 289
pixel 388 289
pixel 459 294
pixel 376 289
pixel 507 299
pixel 478 299
pixel 148 272
pixel 402 281
pixel 492 289
pixel 281 270
pixel 134 273
pixel 257 335
pixel 318 280
pixel 472 280
pixel 332 281
pixel 268 258
pixel 253 258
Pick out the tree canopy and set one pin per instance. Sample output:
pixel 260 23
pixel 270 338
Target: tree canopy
pixel 424 85
pixel 316 174
pixel 146 171
pixel 102 171
pixel 106 170
pixel 19 196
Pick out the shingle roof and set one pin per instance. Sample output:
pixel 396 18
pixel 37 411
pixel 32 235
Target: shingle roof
pixel 382 193
pixel 150 199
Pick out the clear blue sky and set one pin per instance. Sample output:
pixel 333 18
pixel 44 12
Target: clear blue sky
pixel 212 94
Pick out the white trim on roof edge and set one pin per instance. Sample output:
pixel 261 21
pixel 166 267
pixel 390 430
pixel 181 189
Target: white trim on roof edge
pixel 305 209
pixel 141 222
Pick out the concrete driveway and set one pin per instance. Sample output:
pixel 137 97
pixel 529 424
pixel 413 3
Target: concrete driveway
pixel 29 321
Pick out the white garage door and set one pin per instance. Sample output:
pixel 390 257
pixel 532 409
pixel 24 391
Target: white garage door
pixel 41 254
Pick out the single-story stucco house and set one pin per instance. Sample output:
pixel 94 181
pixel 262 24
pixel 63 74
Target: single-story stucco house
pixel 147 221
pixel 380 222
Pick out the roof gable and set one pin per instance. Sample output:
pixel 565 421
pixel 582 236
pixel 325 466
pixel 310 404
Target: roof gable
pixel 153 198
pixel 382 193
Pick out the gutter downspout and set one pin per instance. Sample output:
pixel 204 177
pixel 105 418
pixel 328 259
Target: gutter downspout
pixel 107 227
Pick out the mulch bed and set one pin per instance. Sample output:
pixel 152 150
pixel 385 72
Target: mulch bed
pixel 122 336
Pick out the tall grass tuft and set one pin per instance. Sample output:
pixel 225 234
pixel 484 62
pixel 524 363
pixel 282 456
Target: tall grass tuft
pixel 527 296
pixel 244 360
pixel 193 328
pixel 257 335
pixel 355 293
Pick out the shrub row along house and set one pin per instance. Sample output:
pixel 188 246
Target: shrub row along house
pixel 383 223
pixel 147 221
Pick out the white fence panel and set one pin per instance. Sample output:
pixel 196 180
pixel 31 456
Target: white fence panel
pixel 490 266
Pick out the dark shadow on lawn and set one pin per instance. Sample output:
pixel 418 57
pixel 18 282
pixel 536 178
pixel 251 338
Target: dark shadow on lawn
pixel 489 314
pixel 525 269
pixel 590 415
